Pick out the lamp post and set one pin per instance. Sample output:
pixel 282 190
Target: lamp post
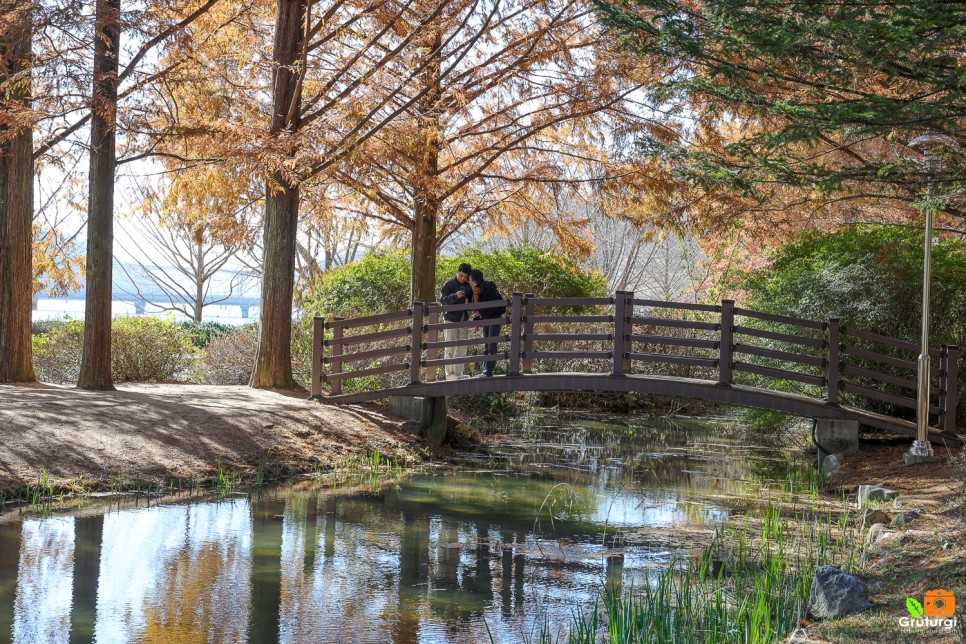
pixel 929 145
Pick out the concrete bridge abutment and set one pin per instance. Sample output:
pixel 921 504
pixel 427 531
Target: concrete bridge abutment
pixel 428 411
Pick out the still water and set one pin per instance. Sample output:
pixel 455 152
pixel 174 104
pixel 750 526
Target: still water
pixel 486 550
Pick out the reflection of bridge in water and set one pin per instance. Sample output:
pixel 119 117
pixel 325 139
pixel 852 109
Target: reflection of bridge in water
pixel 716 353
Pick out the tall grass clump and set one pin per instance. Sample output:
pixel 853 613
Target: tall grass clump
pixel 748 586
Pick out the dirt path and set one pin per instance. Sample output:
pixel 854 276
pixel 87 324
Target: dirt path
pixel 162 431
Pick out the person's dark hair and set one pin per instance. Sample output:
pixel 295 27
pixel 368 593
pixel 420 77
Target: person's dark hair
pixel 465 268
pixel 476 275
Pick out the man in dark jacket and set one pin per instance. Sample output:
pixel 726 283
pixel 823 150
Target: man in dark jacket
pixel 456 290
pixel 485 291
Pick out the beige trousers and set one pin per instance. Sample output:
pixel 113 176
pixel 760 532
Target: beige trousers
pixel 449 335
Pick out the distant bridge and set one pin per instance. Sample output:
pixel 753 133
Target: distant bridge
pixel 145 293
pixel 629 345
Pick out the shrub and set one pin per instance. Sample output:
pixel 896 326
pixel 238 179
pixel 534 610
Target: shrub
pixel 302 350
pixel 41 327
pixel 201 333
pixel 57 351
pixel 145 349
pixel 142 350
pixel 381 281
pixel 870 277
pixel 229 357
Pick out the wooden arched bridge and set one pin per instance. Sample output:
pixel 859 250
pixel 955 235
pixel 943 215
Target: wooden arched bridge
pixel 717 353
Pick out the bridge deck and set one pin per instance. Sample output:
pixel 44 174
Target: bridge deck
pixel 655 385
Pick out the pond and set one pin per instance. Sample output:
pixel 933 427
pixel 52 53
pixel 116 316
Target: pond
pixel 485 550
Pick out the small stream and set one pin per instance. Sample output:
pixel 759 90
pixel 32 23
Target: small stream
pixel 483 551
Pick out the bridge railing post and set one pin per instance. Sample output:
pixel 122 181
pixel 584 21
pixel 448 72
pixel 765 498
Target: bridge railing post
pixel 516 330
pixel 432 335
pixel 948 382
pixel 620 331
pixel 627 347
pixel 834 360
pixel 338 349
pixel 726 345
pixel 416 343
pixel 318 351
pixel 529 312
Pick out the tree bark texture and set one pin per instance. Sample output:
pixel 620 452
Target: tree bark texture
pixel 95 372
pixel 16 204
pixel 273 363
pixel 425 189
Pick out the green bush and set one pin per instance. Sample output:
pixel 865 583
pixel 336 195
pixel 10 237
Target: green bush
pixel 380 282
pixel 57 351
pixel 143 349
pixel 201 333
pixel 870 277
pixel 40 327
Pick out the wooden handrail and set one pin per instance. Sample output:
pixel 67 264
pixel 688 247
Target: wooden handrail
pixel 781 319
pixel 814 343
pixel 369 320
pixel 892 342
pixel 681 306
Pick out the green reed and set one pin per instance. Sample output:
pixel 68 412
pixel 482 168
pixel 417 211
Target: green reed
pixel 747 586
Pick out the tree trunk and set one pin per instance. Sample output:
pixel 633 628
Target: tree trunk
pixel 273 364
pixel 199 307
pixel 17 207
pixel 426 203
pixel 95 372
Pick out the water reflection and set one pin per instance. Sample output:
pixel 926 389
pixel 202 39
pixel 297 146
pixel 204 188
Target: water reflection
pixel 485 550
pixel 44 580
pixel 178 573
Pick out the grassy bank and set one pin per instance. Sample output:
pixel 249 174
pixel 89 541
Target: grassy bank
pixel 751 584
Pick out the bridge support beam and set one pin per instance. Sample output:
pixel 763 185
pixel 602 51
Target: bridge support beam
pixel 428 411
pixel 837 436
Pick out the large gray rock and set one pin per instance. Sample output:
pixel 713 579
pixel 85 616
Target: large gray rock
pixel 875 493
pixel 904 517
pixel 877 532
pixel 831 463
pixel 871 516
pixel 836 594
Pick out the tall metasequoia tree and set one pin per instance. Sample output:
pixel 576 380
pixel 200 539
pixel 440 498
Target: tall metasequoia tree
pixel 501 130
pixel 16 192
pixel 281 202
pixel 426 197
pixel 95 371
pixel 353 47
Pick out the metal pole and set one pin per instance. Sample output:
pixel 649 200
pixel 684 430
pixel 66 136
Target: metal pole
pixel 921 446
pixel 931 145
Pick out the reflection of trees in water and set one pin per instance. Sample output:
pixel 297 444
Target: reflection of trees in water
pixel 205 580
pixel 175 573
pixel 88 533
pixel 42 605
pixel 9 562
pixel 685 453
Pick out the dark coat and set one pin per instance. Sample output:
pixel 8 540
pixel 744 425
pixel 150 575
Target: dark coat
pixel 447 295
pixel 488 293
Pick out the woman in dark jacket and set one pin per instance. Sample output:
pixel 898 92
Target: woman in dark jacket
pixel 485 291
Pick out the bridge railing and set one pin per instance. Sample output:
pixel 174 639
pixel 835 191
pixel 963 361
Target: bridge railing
pixel 624 335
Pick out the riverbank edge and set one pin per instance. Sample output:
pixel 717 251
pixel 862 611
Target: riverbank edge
pixel 60 442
